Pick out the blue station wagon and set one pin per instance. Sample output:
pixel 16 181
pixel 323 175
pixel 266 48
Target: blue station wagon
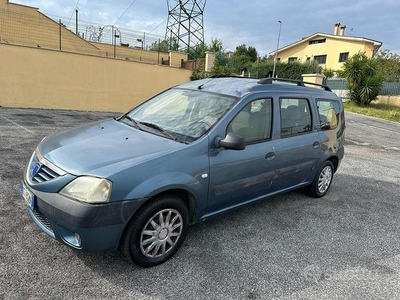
pixel 190 153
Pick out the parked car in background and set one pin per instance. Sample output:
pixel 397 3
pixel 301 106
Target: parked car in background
pixel 190 153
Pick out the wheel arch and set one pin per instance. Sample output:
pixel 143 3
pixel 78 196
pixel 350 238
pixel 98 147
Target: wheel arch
pixel 335 161
pixel 187 197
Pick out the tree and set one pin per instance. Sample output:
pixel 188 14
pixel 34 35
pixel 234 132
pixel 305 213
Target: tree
pixel 215 45
pixel 363 80
pixel 198 51
pixel 329 73
pixel 388 65
pixel 249 52
pixel 288 70
pixel 164 46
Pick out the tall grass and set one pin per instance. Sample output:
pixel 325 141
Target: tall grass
pixel 378 110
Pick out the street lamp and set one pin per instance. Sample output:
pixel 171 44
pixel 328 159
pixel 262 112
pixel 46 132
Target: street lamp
pixel 277 47
pixel 142 40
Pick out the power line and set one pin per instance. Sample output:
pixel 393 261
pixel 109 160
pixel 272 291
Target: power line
pixel 125 12
pixel 157 26
pixel 76 5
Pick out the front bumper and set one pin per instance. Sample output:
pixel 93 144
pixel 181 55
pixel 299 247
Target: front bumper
pixel 83 226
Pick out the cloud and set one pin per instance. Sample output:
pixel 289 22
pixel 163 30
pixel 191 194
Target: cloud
pixel 254 23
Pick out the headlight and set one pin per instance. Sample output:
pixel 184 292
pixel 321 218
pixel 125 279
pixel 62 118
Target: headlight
pixel 88 189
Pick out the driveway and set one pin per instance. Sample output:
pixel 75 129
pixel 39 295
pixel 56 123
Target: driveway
pixel 343 246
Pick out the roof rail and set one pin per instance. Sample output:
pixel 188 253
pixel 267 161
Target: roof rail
pixel 226 76
pixel 297 82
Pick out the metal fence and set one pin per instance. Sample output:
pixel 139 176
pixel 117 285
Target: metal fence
pixel 388 88
pixel 34 29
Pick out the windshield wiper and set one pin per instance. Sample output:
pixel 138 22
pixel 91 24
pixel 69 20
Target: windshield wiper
pixel 133 121
pixel 160 129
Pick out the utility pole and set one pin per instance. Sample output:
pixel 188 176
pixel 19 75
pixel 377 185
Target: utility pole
pixel 277 47
pixel 76 21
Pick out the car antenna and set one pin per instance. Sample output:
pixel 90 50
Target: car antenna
pixel 217 76
pixel 201 85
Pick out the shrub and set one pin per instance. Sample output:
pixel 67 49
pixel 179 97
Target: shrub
pixel 363 81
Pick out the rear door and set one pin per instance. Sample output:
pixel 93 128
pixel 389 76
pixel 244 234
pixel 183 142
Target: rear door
pixel 299 147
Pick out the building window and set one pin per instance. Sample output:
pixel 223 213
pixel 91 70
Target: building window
pixel 321 59
pixel 343 56
pixel 292 59
pixel 317 41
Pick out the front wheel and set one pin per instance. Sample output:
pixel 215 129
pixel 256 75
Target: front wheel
pixel 156 232
pixel 322 181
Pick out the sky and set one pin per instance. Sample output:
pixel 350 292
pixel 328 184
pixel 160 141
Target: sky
pixel 236 22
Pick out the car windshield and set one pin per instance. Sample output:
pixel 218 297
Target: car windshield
pixel 183 114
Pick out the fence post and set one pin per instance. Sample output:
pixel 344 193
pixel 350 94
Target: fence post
pixel 158 50
pixel 59 34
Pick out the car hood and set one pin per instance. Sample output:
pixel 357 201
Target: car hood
pixel 101 144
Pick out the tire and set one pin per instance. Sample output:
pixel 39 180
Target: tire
pixel 156 232
pixel 322 180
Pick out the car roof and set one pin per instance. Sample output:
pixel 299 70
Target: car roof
pixel 240 86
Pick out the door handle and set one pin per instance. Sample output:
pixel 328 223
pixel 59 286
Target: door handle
pixel 316 145
pixel 270 155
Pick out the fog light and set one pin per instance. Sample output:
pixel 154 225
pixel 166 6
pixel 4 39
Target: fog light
pixel 78 240
pixel 70 237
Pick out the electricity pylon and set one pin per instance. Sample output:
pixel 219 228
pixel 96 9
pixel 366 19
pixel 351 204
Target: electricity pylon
pixel 185 28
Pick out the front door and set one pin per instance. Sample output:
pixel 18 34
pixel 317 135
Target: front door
pixel 238 176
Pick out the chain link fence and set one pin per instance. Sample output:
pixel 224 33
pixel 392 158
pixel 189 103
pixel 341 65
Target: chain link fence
pixel 31 28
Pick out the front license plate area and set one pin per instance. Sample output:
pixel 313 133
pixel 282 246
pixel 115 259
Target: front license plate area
pixel 28 196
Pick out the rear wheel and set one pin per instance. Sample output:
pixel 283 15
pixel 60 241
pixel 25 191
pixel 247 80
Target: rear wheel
pixel 156 232
pixel 322 181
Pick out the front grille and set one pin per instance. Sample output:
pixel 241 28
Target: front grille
pixel 41 170
pixel 45 174
pixel 43 220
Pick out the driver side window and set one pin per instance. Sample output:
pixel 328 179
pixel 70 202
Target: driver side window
pixel 254 121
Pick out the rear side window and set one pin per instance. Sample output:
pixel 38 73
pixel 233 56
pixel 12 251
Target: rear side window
pixel 295 116
pixel 328 114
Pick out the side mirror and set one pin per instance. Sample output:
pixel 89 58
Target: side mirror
pixel 231 141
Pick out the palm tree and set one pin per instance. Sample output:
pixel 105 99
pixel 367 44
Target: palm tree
pixel 363 80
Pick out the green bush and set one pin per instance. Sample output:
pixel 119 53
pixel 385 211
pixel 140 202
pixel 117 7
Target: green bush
pixel 363 81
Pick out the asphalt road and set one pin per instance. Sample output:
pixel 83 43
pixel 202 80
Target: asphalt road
pixel 343 246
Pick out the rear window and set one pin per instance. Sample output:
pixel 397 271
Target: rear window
pixel 328 111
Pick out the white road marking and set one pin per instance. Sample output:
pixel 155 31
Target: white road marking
pixel 16 124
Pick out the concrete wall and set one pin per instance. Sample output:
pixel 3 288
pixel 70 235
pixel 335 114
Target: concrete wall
pixel 40 78
pixel 130 53
pixel 389 99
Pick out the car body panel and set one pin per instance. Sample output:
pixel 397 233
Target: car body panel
pixel 142 163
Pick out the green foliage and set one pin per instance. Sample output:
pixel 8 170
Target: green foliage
pixel 198 72
pixel 215 45
pixel 199 51
pixel 164 46
pixel 329 73
pixel 292 70
pixel 378 110
pixel 363 80
pixel 388 65
pixel 246 53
